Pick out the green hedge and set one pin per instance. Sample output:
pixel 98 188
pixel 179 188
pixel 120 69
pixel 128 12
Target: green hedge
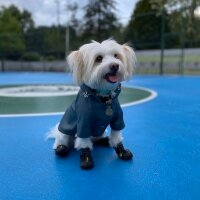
pixel 31 56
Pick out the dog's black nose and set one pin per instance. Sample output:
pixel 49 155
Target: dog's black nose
pixel 114 67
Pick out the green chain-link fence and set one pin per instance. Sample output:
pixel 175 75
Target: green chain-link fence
pixel 159 52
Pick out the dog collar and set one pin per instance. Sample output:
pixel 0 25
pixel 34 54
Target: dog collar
pixel 103 95
pixel 103 92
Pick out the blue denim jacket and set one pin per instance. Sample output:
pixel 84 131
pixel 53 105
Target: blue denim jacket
pixel 87 114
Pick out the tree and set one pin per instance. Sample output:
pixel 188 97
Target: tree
pixel 144 27
pixel 23 17
pixel 14 25
pixel 73 21
pixel 100 21
pixel 11 35
pixel 73 28
pixel 182 16
pixel 44 40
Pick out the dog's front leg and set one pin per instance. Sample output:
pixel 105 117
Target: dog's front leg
pixel 62 143
pixel 115 138
pixel 85 146
pixel 116 142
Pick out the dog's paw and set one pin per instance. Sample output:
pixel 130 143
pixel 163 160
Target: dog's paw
pixel 123 154
pixel 62 150
pixel 86 160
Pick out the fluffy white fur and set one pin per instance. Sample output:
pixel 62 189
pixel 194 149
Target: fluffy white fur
pixel 87 70
pixel 59 137
pixel 82 143
pixel 115 138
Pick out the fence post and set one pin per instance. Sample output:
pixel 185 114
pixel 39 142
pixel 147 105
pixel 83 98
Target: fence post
pixel 2 64
pixel 181 69
pixel 162 42
pixel 182 41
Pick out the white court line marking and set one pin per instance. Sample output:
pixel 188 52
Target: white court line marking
pixel 153 95
pixel 39 91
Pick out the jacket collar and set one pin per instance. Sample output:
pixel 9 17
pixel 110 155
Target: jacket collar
pixel 111 94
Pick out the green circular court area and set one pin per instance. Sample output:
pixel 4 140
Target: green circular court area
pixel 40 99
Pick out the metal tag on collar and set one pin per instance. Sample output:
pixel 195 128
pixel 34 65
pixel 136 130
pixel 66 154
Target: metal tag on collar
pixel 109 111
pixel 109 100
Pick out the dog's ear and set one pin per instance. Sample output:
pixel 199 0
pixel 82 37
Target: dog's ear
pixel 75 63
pixel 130 59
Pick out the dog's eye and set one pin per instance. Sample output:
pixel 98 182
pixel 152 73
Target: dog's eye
pixel 116 56
pixel 99 59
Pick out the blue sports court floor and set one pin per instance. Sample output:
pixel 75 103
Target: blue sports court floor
pixel 163 133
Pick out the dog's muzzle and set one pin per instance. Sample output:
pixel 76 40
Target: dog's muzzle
pixel 114 68
pixel 112 76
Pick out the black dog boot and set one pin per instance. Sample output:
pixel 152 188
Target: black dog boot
pixel 86 161
pixel 104 142
pixel 62 150
pixel 123 154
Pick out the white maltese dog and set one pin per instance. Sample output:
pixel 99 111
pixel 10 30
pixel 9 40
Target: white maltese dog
pixel 98 68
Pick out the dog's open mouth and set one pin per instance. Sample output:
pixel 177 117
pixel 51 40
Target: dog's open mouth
pixel 111 77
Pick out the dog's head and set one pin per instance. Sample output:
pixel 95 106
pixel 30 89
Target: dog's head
pixel 102 65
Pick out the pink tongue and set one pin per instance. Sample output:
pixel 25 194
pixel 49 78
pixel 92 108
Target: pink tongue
pixel 113 78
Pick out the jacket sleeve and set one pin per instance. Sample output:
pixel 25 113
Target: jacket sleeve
pixel 84 117
pixel 68 122
pixel 117 122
